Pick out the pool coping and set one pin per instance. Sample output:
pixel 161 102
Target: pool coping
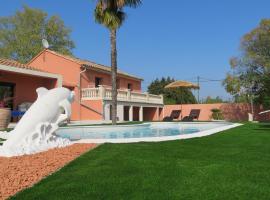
pixel 160 139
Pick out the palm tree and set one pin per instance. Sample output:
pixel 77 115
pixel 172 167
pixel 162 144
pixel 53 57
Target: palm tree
pixel 110 14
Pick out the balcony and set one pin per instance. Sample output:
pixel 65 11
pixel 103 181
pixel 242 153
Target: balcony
pixel 123 95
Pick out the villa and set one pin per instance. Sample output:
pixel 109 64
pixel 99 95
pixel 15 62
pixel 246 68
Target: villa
pixel 201 131
pixel 90 81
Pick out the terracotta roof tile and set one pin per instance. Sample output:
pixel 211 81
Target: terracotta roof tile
pixel 13 63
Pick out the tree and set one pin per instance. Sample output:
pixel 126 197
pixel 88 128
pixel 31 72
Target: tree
pixel 110 14
pixel 250 75
pixel 213 100
pixel 171 96
pixel 22 33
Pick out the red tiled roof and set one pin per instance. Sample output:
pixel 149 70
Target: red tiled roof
pixel 13 63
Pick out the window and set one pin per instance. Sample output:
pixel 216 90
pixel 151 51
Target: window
pixel 130 86
pixel 98 81
pixel 117 84
pixel 7 92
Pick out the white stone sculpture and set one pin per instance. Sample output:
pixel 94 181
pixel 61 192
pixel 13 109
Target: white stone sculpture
pixel 35 132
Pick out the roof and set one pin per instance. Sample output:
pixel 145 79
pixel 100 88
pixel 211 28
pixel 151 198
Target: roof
pixel 13 63
pixel 91 64
pixel 14 66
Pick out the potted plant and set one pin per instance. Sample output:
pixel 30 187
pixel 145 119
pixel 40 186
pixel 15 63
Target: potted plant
pixel 5 112
pixel 217 114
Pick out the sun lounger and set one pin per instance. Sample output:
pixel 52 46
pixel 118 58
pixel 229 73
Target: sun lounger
pixel 174 115
pixel 194 114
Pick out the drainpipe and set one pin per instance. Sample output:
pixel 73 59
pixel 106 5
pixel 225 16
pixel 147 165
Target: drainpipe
pixel 79 92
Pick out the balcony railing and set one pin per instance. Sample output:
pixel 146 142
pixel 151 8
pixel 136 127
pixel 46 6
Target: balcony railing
pixel 122 95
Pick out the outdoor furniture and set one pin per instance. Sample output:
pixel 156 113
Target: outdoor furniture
pixel 187 119
pixel 182 84
pixel 174 115
pixel 194 114
pixel 22 108
pixel 17 113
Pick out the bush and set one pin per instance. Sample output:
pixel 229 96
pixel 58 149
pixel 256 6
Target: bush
pixel 217 114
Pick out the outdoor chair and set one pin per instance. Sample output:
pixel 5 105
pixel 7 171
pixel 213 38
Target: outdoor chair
pixel 194 114
pixel 174 115
pixel 16 114
pixel 187 119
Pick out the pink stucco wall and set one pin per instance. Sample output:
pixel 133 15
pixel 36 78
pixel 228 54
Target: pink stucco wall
pixel 136 85
pixel 95 113
pixel 151 114
pixel 231 111
pixel 88 80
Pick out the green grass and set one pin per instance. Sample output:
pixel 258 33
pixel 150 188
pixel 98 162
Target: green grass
pixel 234 164
pixel 1 139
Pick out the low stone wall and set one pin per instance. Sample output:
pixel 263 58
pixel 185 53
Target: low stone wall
pixel 230 111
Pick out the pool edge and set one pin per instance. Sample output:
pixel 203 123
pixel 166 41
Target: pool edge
pixel 160 139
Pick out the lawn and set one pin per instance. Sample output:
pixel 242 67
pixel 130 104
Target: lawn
pixel 234 164
pixel 1 139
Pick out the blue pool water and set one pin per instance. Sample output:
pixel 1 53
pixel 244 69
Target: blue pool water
pixel 148 130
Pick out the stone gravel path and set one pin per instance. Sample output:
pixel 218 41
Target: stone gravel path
pixel 20 172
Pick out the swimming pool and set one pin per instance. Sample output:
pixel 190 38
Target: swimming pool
pixel 155 131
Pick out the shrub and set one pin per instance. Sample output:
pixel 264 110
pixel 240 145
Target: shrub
pixel 217 114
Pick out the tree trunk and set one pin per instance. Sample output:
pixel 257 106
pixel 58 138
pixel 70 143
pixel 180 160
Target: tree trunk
pixel 114 76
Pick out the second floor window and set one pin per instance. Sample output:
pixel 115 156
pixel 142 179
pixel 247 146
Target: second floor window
pixel 130 86
pixel 98 81
pixel 118 84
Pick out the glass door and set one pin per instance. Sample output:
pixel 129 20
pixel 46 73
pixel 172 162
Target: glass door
pixel 7 94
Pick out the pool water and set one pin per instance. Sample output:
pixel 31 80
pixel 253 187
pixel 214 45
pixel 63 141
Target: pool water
pixel 146 130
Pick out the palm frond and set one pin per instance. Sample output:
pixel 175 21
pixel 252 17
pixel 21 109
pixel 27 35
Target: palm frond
pixel 128 3
pixel 110 12
pixel 108 17
pixel 121 3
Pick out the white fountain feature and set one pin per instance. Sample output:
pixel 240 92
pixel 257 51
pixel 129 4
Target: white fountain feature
pixel 35 132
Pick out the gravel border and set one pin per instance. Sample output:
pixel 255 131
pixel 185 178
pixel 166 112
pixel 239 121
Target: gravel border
pixel 20 172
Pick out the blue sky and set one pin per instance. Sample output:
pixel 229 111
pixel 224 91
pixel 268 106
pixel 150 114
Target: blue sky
pixel 178 38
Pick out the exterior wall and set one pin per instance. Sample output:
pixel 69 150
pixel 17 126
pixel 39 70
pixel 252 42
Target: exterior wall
pixel 69 70
pixel 239 111
pixel 231 112
pixel 95 114
pixel 160 114
pixel 88 81
pixel 25 86
pixel 151 114
pixel 58 65
pixel 136 85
